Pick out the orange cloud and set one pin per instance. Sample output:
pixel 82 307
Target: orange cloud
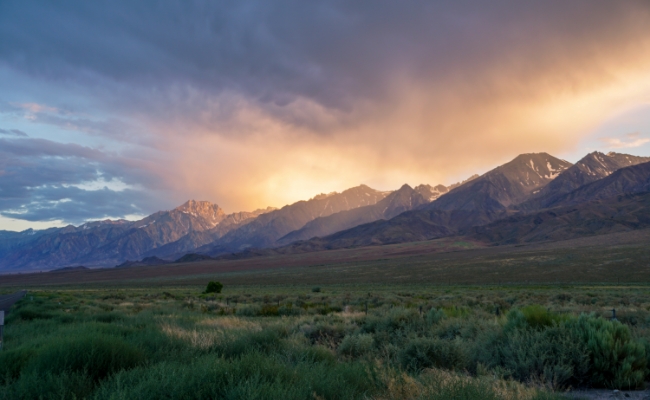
pixel 633 140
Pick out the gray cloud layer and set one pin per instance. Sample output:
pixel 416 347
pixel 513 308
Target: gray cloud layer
pixel 333 53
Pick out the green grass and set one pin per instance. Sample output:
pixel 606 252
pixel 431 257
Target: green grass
pixel 414 342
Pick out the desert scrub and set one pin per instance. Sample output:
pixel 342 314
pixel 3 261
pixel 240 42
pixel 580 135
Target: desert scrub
pixel 294 343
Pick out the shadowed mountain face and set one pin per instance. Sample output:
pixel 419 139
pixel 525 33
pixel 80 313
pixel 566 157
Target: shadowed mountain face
pixel 618 214
pixel 268 228
pixel 504 186
pixel 401 200
pixel 592 167
pixel 431 193
pixel 630 180
pixel 112 242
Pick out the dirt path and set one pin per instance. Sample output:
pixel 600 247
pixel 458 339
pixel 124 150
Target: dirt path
pixel 7 301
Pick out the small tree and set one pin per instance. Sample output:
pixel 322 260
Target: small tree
pixel 214 287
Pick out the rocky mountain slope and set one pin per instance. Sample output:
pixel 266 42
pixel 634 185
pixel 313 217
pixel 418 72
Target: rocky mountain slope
pixel 404 199
pixel 615 202
pixel 592 167
pixel 504 186
pixel 265 230
pixel 108 243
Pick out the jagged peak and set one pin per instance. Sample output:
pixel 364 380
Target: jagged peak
pixel 203 209
pixel 322 196
pixel 195 204
pixel 264 210
pixel 360 188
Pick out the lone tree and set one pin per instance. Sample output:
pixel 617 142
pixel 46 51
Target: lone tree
pixel 214 287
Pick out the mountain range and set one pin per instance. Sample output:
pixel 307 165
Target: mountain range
pixel 534 197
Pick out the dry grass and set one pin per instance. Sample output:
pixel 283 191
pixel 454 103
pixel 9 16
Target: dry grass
pixel 231 323
pixel 201 339
pixel 432 381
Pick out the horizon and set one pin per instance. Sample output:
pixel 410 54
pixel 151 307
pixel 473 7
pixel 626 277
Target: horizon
pixel 121 110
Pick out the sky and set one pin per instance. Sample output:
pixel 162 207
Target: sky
pixel 117 109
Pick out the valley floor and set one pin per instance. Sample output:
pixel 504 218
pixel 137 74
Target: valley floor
pixel 618 258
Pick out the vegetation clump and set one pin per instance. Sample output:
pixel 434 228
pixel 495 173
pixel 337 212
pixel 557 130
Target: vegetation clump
pixel 214 287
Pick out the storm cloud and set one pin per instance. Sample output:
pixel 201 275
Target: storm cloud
pixel 256 103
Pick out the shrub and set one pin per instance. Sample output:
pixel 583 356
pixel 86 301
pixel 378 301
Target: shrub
pixel 397 318
pixel 554 356
pixel 248 311
pixel 616 360
pixel 214 287
pixel 269 310
pixel 423 353
pixel 434 316
pixel 315 289
pixel 356 345
pixel 533 316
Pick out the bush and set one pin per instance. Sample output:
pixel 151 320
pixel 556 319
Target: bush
pixel 248 311
pixel 616 360
pixel 554 356
pixel 214 287
pixel 423 353
pixel 434 316
pixel 356 345
pixel 397 318
pixel 533 316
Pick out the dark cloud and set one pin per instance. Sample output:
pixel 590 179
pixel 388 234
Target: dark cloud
pixel 42 180
pixel 333 53
pixel 13 132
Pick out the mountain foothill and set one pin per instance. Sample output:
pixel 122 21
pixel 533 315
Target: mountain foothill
pixel 533 198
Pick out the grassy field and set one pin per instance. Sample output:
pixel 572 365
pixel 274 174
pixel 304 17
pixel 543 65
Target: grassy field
pixel 344 341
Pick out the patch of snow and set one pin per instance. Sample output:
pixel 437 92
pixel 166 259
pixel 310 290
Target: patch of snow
pixel 554 172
